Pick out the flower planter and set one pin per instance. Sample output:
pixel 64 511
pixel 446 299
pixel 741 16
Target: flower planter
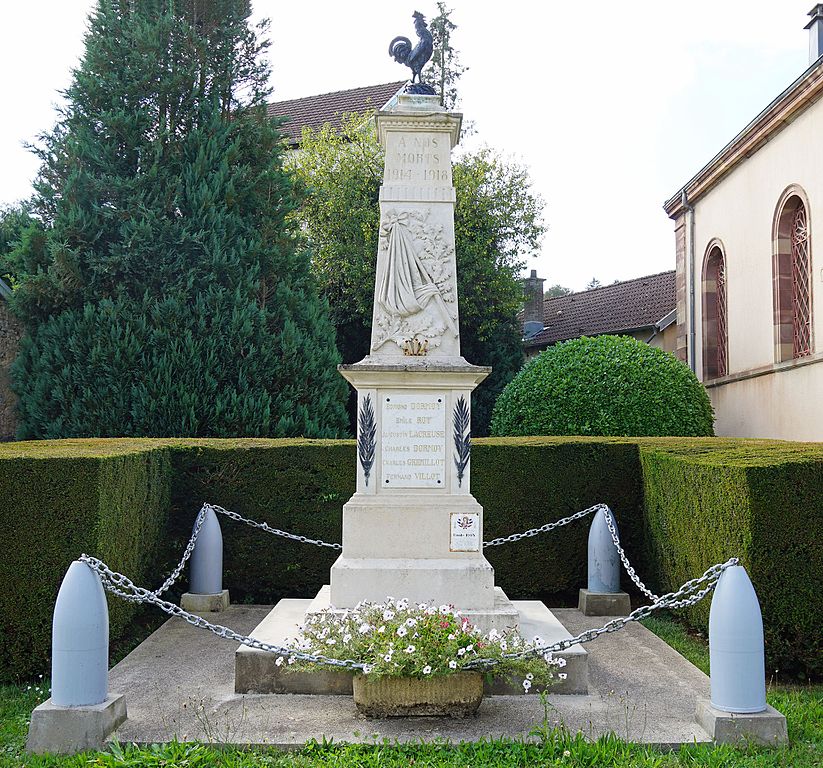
pixel 455 695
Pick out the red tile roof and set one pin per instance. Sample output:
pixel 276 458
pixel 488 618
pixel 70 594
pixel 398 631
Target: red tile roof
pixel 316 111
pixel 617 308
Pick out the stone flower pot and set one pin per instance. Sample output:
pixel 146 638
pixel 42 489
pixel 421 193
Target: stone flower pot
pixel 455 695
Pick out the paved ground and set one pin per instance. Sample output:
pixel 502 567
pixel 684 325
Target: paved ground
pixel 180 684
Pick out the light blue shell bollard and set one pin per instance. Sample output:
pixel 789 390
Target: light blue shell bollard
pixel 604 562
pixel 206 574
pixel 736 655
pixel 80 640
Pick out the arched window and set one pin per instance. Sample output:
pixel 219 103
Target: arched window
pixel 792 278
pixel 715 330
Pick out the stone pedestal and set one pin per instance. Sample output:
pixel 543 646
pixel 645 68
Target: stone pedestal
pixel 603 603
pixel 767 728
pixel 68 730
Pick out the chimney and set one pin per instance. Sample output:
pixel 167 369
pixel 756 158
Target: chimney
pixel 533 305
pixel 815 27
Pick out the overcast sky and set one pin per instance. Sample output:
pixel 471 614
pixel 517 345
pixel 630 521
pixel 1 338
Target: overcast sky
pixel 612 106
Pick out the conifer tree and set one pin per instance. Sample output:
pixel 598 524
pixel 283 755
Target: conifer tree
pixel 170 295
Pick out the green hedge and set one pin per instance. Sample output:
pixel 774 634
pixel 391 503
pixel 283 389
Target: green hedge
pixel 682 504
pixel 760 501
pixel 106 498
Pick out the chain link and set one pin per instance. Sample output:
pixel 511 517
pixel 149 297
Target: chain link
pixel 268 529
pixel 671 600
pixel 123 587
pixel 544 528
pixel 607 513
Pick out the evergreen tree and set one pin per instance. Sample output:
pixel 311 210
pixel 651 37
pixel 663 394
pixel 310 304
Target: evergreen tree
pixel 169 295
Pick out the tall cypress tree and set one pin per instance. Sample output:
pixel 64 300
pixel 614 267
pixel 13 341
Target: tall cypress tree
pixel 171 294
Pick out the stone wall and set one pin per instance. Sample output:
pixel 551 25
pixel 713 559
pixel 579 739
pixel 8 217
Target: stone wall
pixel 10 332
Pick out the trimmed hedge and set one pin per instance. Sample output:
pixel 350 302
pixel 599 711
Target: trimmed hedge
pixel 761 502
pixel 682 504
pixel 106 498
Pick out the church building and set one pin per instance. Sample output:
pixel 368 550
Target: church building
pixel 749 266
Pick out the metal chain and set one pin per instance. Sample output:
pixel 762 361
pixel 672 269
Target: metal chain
pixel 670 600
pixel 607 513
pixel 123 587
pixel 544 528
pixel 175 574
pixel 268 529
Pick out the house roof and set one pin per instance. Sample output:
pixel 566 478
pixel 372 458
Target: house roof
pixel 618 308
pixel 783 110
pixel 315 111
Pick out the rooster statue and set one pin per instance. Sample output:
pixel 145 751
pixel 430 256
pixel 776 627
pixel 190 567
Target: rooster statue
pixel 415 58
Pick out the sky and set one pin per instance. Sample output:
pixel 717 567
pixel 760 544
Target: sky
pixel 612 107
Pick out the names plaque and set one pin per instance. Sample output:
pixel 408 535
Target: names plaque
pixel 413 440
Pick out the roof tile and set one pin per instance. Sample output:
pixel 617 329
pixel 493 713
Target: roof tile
pixel 616 308
pixel 315 111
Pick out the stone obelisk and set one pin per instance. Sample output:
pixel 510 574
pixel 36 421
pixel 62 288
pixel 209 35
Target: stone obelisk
pixel 413 529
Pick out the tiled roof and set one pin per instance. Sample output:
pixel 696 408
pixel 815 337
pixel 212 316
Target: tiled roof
pixel 617 308
pixel 316 111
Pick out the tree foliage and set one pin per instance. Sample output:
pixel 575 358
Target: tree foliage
pixel 169 295
pixel 497 224
pixel 607 385
pixel 445 68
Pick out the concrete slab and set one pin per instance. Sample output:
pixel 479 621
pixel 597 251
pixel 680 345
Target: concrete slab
pixel 180 684
pixel 255 671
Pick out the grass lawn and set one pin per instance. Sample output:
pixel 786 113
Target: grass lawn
pixel 802 705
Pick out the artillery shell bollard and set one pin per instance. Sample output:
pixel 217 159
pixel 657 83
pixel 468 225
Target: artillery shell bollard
pixel 603 596
pixel 206 593
pixel 81 712
pixel 737 711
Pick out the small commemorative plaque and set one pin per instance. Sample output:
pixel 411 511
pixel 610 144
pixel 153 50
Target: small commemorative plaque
pixel 465 532
pixel 413 440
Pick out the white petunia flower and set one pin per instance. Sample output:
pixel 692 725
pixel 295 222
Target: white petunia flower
pixel 367 668
pixel 403 604
pixel 410 649
pixel 388 615
pixel 364 628
pixel 445 610
pixel 292 659
pixel 431 610
pixel 381 629
pixel 346 638
pixel 279 661
pixel 529 676
pixel 387 657
pixel 503 645
pixel 562 675
pixel 427 670
pixel 453 664
pixel 452 636
pixel 411 621
pixel 331 641
pixel 402 631
pixel 526 685
pixel 461 651
pixel 469 647
pixel 561 662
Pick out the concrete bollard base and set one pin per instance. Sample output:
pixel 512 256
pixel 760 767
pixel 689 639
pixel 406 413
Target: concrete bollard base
pixel 205 603
pixel 604 603
pixel 68 730
pixel 767 728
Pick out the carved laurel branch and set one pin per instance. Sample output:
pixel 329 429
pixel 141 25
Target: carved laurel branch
pixel 462 437
pixel 366 436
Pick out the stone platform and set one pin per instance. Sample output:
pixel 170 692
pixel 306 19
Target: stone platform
pixel 179 684
pixel 256 671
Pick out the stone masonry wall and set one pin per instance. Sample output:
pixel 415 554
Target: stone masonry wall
pixel 10 332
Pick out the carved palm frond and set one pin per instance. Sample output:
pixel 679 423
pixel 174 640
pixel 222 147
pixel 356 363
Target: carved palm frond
pixel 462 437
pixel 366 434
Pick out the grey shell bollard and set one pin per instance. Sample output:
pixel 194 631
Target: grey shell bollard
pixel 604 561
pixel 80 640
pixel 206 574
pixel 736 655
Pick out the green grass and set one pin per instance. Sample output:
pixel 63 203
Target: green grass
pixel 802 705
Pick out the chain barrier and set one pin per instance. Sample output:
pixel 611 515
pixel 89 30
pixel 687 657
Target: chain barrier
pixel 671 600
pixel 607 513
pixel 123 587
pixel 268 529
pixel 545 528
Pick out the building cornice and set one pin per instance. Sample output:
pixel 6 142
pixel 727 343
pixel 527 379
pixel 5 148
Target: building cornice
pixel 787 107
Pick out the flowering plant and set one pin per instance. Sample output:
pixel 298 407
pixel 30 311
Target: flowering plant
pixel 399 638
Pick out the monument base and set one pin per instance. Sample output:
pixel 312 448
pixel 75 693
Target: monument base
pixel 767 728
pixel 603 603
pixel 198 604
pixel 68 730
pixel 257 671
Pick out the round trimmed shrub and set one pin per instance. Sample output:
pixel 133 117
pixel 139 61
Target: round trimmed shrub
pixel 606 385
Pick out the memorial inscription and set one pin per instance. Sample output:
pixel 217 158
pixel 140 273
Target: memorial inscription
pixel 413 440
